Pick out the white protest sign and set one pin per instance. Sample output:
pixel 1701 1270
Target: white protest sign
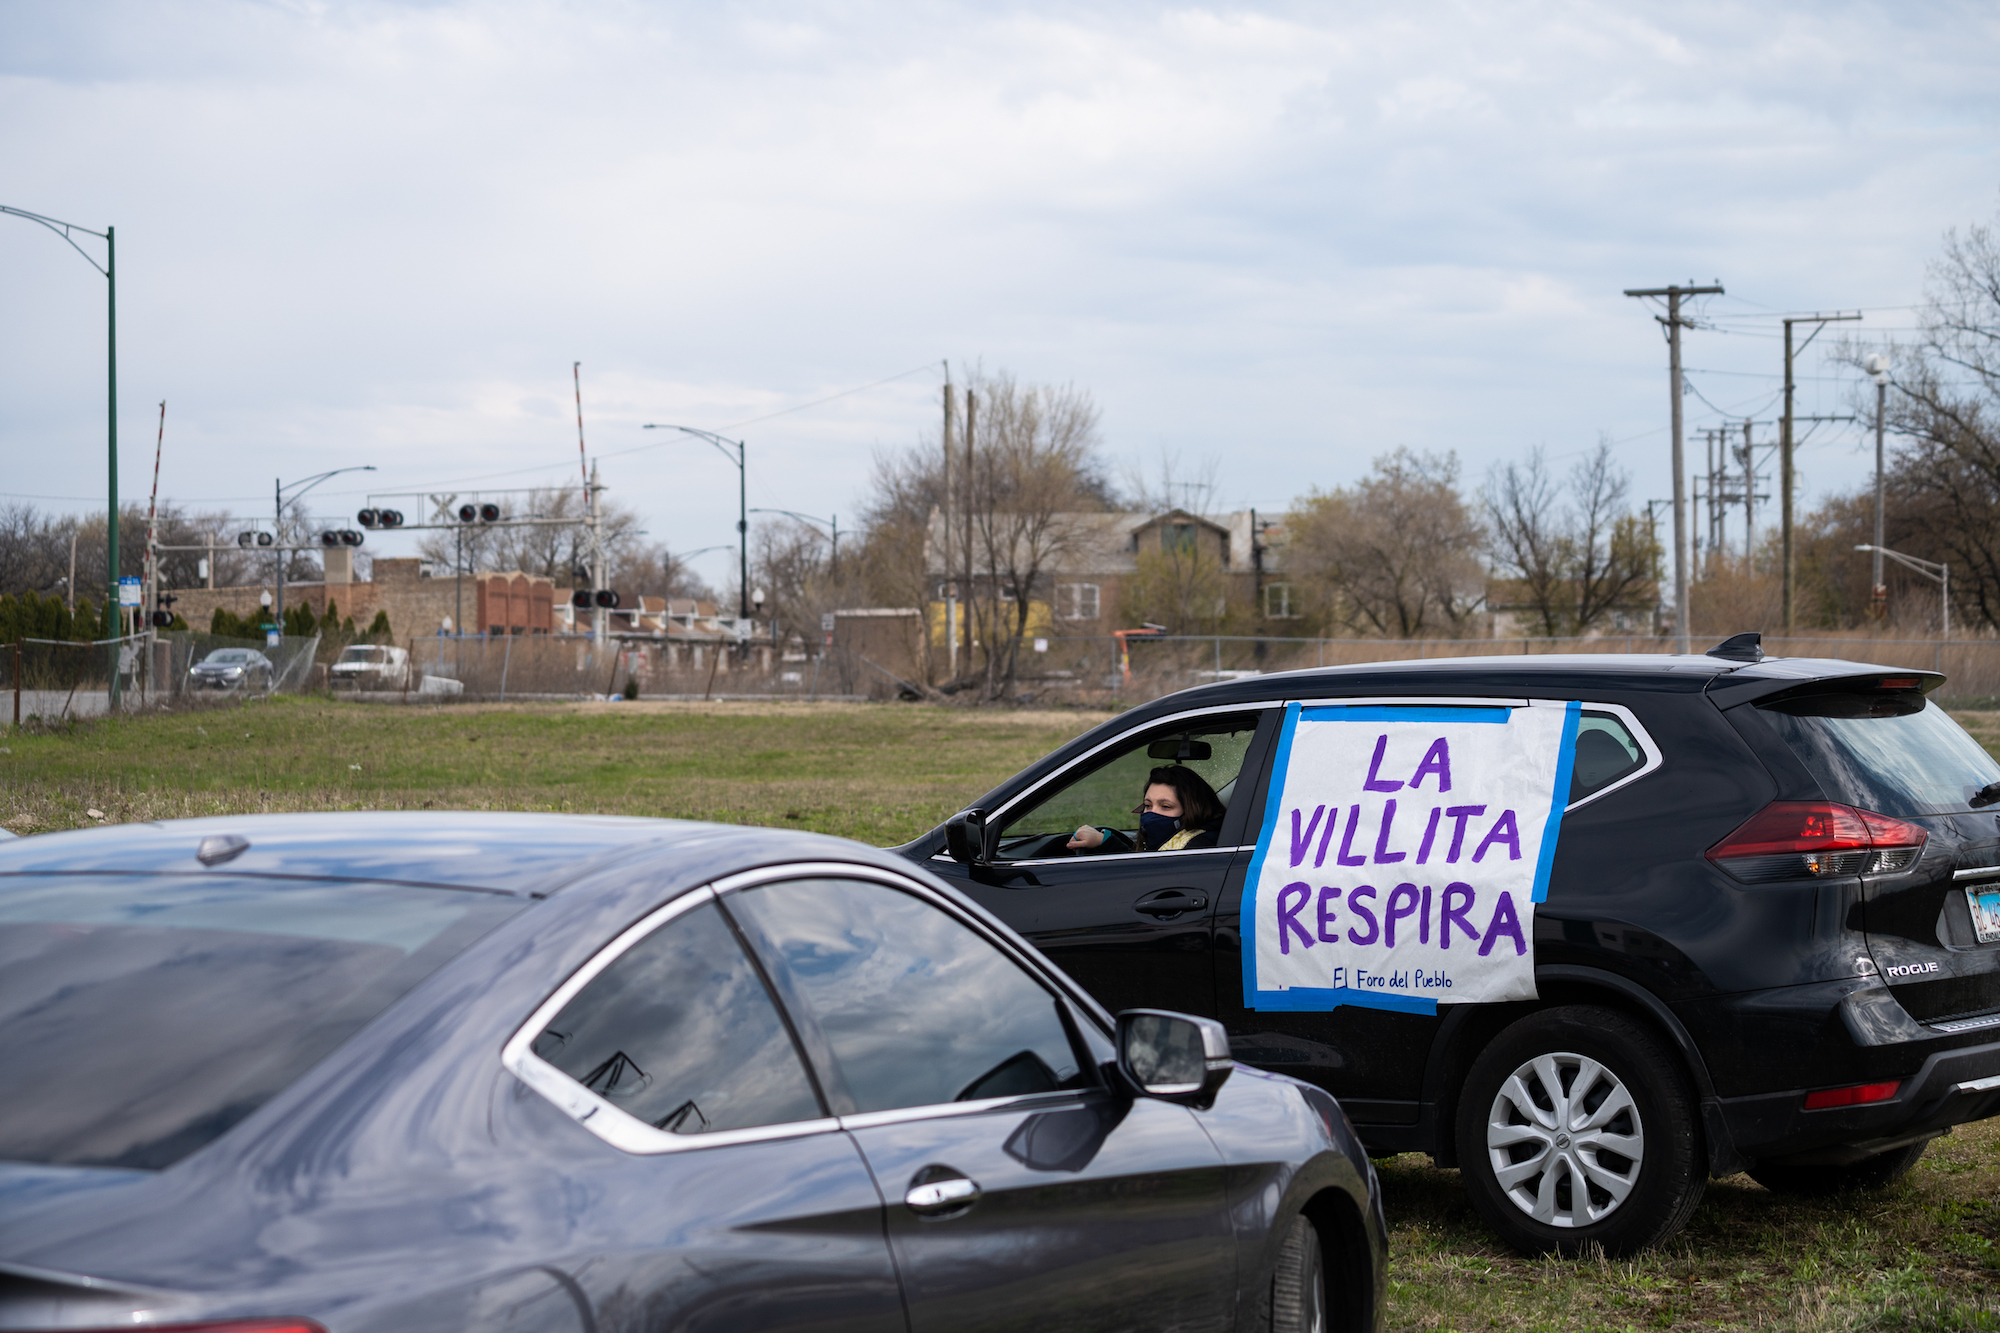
pixel 1403 851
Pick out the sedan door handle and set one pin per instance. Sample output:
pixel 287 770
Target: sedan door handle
pixel 941 1196
pixel 1171 902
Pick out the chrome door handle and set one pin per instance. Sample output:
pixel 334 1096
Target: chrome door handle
pixel 941 1196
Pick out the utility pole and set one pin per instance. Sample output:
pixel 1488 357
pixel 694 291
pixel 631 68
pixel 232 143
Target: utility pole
pixel 965 487
pixel 1749 502
pixel 600 617
pixel 1785 444
pixel 1674 322
pixel 945 522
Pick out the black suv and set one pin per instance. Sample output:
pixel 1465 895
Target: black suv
pixel 1770 940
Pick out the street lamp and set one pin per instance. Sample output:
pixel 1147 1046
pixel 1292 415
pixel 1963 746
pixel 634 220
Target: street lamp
pixel 299 489
pixel 1878 370
pixel 1937 573
pixel 109 268
pixel 832 523
pixel 742 505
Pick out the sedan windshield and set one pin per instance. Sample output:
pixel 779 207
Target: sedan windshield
pixel 142 1016
pixel 228 657
pixel 360 652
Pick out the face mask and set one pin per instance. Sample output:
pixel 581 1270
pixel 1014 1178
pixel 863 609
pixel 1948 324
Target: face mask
pixel 1157 828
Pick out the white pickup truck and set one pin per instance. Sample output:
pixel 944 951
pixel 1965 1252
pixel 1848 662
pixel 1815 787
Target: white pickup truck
pixel 367 666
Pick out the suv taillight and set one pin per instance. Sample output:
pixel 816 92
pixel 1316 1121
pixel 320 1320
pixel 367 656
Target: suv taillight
pixel 1815 839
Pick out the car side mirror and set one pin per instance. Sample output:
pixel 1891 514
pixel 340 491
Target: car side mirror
pixel 1174 1057
pixel 965 836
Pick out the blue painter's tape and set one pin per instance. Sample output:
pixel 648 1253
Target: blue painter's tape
pixel 1565 762
pixel 1281 764
pixel 1407 713
pixel 1312 1000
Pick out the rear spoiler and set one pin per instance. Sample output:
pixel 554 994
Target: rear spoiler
pixel 1785 677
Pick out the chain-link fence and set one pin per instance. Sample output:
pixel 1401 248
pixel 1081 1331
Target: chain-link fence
pixel 50 680
pixel 1089 671
pixel 59 680
pixel 526 667
pixel 1138 668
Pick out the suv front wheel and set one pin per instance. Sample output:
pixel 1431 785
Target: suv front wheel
pixel 1578 1125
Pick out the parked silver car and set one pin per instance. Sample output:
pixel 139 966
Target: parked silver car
pixel 232 669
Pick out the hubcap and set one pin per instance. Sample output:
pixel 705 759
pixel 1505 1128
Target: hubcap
pixel 1564 1140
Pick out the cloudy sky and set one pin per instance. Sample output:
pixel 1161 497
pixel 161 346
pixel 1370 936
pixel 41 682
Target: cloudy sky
pixel 1284 237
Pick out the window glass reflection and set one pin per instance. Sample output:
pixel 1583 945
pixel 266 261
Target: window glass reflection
pixel 681 1033
pixel 917 1008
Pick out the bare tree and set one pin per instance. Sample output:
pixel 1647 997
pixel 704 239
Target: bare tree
pixel 1034 459
pixel 1033 463
pixel 1576 558
pixel 1396 553
pixel 652 569
pixel 559 552
pixel 1944 408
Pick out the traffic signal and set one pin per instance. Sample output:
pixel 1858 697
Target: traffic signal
pixel 368 518
pixel 466 513
pixel 489 513
pixel 606 597
pixel 580 599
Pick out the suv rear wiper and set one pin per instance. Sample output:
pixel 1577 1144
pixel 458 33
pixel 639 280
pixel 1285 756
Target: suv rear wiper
pixel 1986 795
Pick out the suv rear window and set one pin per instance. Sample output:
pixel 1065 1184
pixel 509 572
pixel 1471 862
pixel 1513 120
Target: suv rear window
pixel 142 1016
pixel 1897 754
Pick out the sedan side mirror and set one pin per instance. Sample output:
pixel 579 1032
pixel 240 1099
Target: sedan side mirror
pixel 965 836
pixel 1174 1057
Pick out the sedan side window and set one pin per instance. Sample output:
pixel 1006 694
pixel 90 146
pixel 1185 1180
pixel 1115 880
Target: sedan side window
pixel 680 1032
pixel 916 1008
pixel 1107 793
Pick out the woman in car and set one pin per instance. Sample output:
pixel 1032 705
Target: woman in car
pixel 1180 812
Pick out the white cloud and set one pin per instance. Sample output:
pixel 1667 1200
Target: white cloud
pixel 1297 234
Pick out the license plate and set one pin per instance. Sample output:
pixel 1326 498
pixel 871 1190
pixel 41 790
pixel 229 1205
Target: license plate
pixel 1984 899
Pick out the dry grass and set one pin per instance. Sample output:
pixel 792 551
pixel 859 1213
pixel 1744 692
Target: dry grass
pixel 879 773
pixel 1924 1254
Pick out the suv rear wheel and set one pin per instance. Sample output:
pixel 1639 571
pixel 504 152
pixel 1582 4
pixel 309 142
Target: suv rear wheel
pixel 1577 1126
pixel 1870 1173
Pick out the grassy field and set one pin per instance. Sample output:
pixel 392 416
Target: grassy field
pixel 1921 1255
pixel 1924 1255
pixel 876 773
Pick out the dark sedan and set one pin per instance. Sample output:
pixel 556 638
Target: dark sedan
pixel 539 1073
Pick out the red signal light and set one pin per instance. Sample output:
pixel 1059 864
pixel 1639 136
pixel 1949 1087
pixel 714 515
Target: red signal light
pixel 1861 1094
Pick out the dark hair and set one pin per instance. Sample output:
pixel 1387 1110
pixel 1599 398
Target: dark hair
pixel 1200 806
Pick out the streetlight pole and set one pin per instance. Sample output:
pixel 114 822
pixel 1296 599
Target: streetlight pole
pixel 742 505
pixel 831 523
pixel 109 268
pixel 1878 370
pixel 279 502
pixel 1930 569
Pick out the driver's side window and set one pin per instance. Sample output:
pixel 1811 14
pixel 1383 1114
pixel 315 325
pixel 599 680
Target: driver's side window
pixel 1107 793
